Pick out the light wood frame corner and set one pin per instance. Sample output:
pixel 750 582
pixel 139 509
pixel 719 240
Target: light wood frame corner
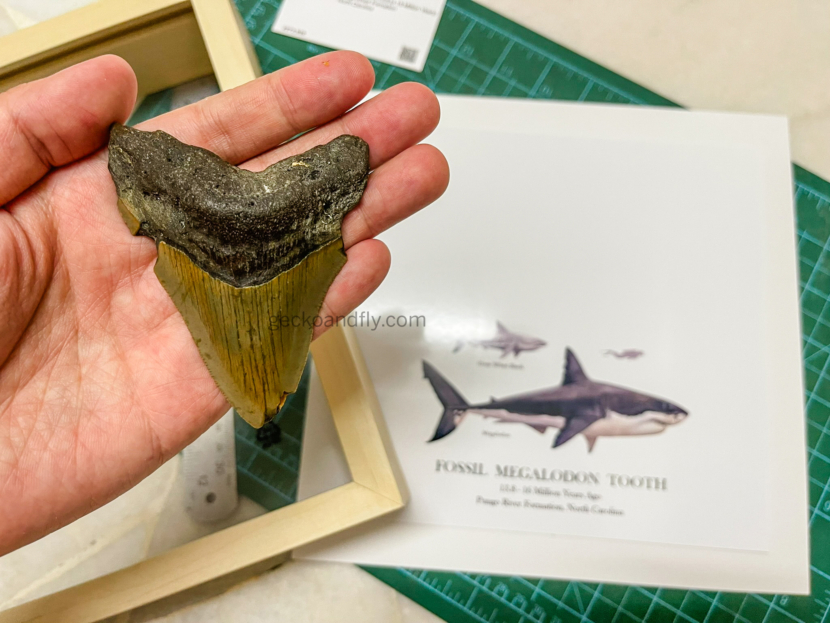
pixel 169 42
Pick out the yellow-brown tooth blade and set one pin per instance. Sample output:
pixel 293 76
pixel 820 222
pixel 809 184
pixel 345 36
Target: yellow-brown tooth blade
pixel 254 340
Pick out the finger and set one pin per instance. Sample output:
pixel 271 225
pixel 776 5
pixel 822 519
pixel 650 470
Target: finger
pixel 390 122
pixel 54 121
pixel 255 117
pixel 364 271
pixel 410 181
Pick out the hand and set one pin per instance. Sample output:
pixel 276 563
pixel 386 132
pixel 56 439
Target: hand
pixel 100 381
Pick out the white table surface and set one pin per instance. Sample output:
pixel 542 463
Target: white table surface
pixel 769 56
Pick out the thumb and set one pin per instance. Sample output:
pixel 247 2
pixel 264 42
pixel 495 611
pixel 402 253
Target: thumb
pixel 54 121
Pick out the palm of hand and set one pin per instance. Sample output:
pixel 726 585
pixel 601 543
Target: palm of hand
pixel 100 381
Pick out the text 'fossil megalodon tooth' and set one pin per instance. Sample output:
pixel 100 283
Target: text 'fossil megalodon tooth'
pixel 246 257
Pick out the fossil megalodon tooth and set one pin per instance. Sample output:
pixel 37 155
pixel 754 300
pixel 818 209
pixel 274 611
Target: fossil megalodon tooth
pixel 246 257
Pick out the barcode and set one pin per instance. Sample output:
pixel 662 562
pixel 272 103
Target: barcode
pixel 408 55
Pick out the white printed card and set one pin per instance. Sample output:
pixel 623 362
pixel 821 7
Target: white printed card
pixel 588 354
pixel 398 32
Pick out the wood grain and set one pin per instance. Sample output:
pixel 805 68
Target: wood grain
pixel 220 553
pixel 230 49
pixel 159 38
pixel 359 422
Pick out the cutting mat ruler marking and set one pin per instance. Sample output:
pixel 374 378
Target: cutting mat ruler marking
pixel 478 52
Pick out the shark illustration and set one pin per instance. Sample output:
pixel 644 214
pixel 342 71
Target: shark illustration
pixel 578 406
pixel 625 354
pixel 507 342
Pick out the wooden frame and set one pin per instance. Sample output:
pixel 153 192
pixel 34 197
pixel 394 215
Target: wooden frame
pixel 169 42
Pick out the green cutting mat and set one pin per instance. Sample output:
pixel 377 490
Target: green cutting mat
pixel 480 53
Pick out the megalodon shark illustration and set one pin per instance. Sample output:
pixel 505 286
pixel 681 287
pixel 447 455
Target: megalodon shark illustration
pixel 577 406
pixel 507 342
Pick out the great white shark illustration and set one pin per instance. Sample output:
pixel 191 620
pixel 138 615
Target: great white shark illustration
pixel 625 354
pixel 577 406
pixel 507 342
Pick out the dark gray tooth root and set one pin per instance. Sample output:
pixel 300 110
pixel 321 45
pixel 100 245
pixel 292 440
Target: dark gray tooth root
pixel 239 226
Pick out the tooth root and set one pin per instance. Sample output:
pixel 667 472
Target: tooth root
pixel 247 336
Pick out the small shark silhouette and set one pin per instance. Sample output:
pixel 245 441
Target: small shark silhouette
pixel 578 406
pixel 506 341
pixel 625 354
